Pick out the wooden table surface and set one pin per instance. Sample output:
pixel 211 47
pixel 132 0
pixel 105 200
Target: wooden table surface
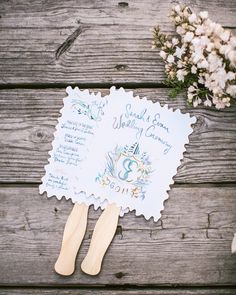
pixel 48 45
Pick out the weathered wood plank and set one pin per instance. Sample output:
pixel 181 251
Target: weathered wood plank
pixel 28 119
pixel 166 291
pixel 88 42
pixel 194 236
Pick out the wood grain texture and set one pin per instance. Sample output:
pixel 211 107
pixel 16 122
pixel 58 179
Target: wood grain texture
pixel 194 235
pixel 28 119
pixel 87 41
pixel 166 291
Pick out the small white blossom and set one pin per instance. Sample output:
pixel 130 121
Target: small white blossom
pixel 200 30
pixel 207 103
pixel 231 90
pixel 179 51
pixel 232 57
pixel 193 69
pixel 188 37
pixel 177 8
pixel 196 102
pixel 190 97
pixel 231 76
pixel 180 30
pixel 170 59
pixel 218 30
pixel 163 54
pixel 192 18
pixel 232 41
pixel 203 64
pixel 225 36
pixel 181 74
pixel 203 14
pixel 174 41
pixel 191 89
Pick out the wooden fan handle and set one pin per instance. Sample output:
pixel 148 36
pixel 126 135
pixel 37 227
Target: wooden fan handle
pixel 72 238
pixel 233 245
pixel 103 234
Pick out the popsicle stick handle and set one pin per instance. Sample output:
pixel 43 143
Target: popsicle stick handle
pixel 103 234
pixel 233 246
pixel 72 238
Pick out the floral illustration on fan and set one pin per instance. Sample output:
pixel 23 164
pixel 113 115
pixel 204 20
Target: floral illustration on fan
pixel 127 171
pixel 94 110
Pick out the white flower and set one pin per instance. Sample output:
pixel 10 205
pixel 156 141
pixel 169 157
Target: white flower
pixel 180 30
pixel 204 41
pixel 225 50
pixel 214 61
pixel 180 64
pixel 196 102
pixel 231 90
pixel 232 57
pixel 181 74
pixel 207 103
pixel 190 97
pixel 203 14
pixel 218 30
pixel 168 44
pixel 231 76
pixel 179 51
pixel 200 30
pixel 193 69
pixel 232 41
pixel 225 36
pixel 174 41
pixel 197 55
pixel 210 46
pixel 203 64
pixel 191 89
pixel 192 18
pixel 163 54
pixel 177 8
pixel 221 104
pixel 201 80
pixel 170 59
pixel 219 77
pixel 188 37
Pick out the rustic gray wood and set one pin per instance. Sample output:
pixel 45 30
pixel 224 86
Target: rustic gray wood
pixel 28 119
pixel 190 245
pixel 177 291
pixel 89 42
pixel 96 44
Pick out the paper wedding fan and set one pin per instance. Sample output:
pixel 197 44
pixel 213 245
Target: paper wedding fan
pixel 138 147
pixel 81 115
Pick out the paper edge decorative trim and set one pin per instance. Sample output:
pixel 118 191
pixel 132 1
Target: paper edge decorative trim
pixel 178 111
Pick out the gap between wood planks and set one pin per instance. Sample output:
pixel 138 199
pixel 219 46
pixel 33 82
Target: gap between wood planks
pixel 81 85
pixel 127 287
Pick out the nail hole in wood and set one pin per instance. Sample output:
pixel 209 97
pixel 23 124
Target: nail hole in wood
pixel 123 4
pixel 39 134
pixel 119 275
pixel 121 67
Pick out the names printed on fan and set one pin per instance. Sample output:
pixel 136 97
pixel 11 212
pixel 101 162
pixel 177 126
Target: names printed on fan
pixel 144 124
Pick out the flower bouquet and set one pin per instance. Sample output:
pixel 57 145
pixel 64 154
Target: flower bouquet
pixel 201 60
